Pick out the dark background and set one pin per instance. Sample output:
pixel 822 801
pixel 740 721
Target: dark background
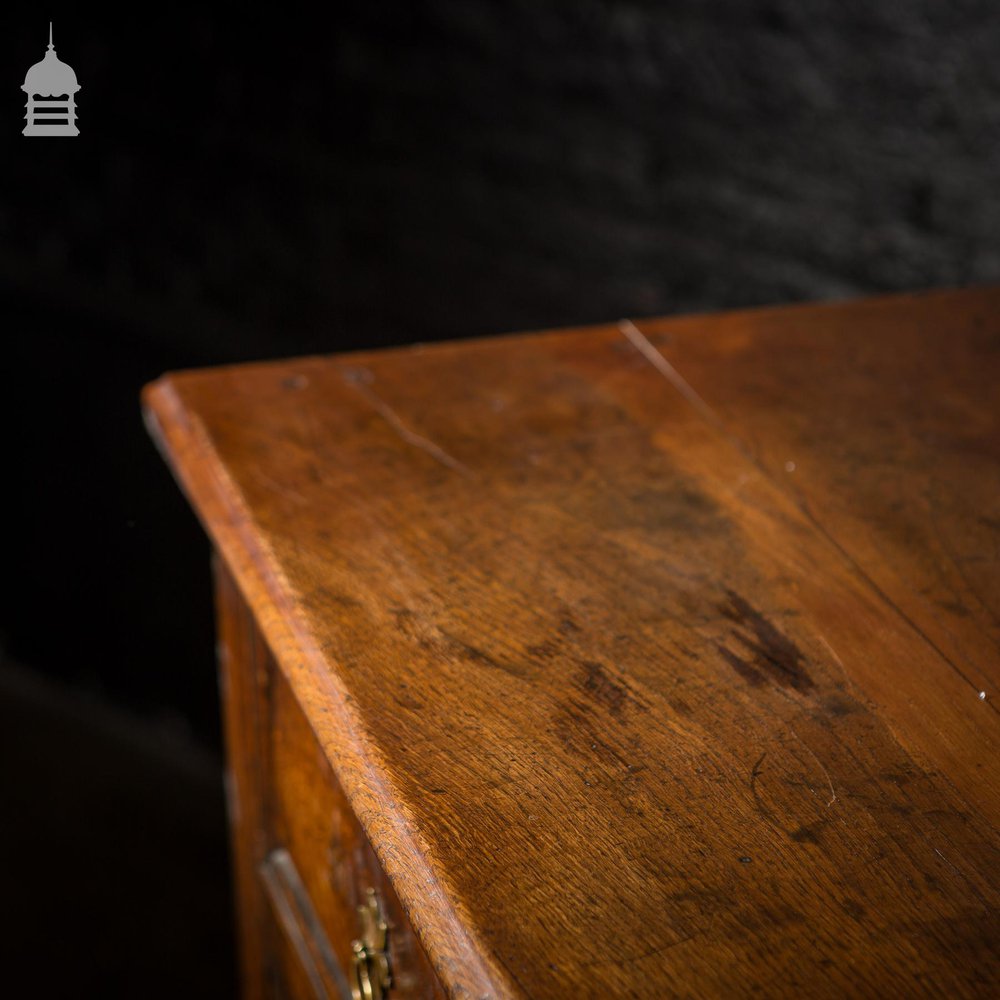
pixel 257 184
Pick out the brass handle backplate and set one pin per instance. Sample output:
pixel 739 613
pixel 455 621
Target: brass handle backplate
pixel 371 976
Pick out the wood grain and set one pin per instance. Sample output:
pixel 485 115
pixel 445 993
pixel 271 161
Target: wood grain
pixel 303 863
pixel 625 707
pixel 313 821
pixel 243 669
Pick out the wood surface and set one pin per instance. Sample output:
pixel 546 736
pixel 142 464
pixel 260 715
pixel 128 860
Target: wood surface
pixel 243 666
pixel 302 861
pixel 312 820
pixel 648 656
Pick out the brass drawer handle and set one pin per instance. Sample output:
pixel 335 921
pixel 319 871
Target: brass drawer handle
pixel 371 976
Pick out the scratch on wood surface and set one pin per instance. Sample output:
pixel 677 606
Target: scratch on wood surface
pixel 279 488
pixel 630 959
pixel 947 862
pixel 662 365
pixel 848 679
pixel 762 809
pixel 829 780
pixel 643 345
pixel 840 663
pixel 674 377
pixel 884 596
pixel 360 380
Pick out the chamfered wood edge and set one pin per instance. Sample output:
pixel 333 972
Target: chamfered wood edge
pixel 464 964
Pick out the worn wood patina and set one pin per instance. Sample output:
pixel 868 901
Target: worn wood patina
pixel 652 659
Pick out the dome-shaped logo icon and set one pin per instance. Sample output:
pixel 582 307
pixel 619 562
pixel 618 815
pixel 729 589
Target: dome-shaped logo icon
pixel 51 88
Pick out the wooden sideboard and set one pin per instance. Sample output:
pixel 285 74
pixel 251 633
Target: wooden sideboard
pixel 653 659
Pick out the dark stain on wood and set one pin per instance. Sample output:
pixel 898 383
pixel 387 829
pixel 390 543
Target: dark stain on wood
pixel 542 650
pixel 468 651
pixel 321 596
pixel 680 510
pixel 838 707
pixel 585 734
pixel 775 657
pixel 605 691
pixel 808 833
pixel 567 625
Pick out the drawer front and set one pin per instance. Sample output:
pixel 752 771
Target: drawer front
pixel 320 868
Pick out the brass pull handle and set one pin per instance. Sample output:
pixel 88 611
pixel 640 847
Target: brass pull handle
pixel 371 976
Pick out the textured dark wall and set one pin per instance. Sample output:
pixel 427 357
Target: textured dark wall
pixel 260 184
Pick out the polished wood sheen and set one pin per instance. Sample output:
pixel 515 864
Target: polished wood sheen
pixel 653 659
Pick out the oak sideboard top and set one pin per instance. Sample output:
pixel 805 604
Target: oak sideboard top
pixel 658 658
